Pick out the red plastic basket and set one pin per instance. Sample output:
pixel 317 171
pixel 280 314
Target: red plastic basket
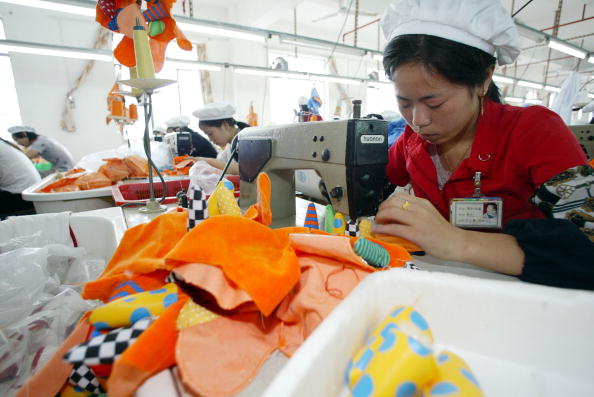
pixel 139 192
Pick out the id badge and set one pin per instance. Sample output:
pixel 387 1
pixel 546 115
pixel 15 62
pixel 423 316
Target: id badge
pixel 476 212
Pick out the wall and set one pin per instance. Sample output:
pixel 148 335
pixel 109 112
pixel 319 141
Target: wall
pixel 42 81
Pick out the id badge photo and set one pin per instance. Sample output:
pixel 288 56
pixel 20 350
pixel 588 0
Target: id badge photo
pixel 476 212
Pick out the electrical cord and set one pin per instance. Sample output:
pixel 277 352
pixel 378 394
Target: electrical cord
pixel 346 17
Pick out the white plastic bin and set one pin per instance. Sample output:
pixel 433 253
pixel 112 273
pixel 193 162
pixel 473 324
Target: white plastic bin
pixel 519 339
pixel 84 200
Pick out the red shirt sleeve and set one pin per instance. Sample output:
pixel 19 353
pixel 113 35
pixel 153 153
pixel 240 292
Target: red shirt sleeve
pixel 546 144
pixel 396 169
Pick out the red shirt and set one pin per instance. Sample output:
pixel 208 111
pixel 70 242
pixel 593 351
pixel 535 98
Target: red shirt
pixel 515 149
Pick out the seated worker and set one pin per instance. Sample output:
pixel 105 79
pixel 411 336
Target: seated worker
pixel 217 122
pixel 461 142
pixel 158 133
pixel 200 145
pixel 16 174
pixel 38 145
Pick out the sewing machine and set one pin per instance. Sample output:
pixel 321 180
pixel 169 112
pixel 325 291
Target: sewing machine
pixel 179 143
pixel 349 155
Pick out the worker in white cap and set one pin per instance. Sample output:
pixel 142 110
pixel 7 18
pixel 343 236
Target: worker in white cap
pixel 217 122
pixel 463 150
pixel 158 133
pixel 17 173
pixel 201 147
pixel 38 145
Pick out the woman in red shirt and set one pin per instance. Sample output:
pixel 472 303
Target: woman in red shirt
pixel 457 127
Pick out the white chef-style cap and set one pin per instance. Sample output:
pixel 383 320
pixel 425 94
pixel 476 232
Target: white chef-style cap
pixel 215 111
pixel 21 128
pixel 483 24
pixel 178 122
pixel 161 129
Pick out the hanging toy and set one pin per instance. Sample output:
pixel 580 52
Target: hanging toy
pixel 311 217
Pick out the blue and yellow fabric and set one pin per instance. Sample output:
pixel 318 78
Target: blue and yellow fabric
pixel 339 224
pixel 222 201
pixel 454 379
pixel 398 361
pixel 394 363
pixel 127 310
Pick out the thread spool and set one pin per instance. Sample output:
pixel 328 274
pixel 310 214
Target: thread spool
pixel 373 253
pixel 357 108
pixel 133 112
pixel 142 51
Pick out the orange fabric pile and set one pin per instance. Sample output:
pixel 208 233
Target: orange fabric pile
pixel 181 165
pixel 270 287
pixel 113 171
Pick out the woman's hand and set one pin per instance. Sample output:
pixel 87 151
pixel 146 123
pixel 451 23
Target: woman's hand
pixel 417 220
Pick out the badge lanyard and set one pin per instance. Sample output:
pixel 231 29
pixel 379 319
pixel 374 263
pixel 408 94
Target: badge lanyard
pixel 478 211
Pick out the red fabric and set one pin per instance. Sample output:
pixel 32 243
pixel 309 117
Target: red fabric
pixel 516 149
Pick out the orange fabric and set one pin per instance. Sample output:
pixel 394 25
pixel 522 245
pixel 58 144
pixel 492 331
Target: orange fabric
pixel 591 163
pixel 250 254
pixel 60 183
pixel 152 352
pixel 48 380
pixel 225 353
pixel 390 241
pixel 94 180
pixel 115 169
pixel 137 166
pixel 142 250
pixel 260 212
pixel 212 279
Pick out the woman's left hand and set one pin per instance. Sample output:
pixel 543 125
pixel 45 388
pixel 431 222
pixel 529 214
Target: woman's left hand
pixel 417 220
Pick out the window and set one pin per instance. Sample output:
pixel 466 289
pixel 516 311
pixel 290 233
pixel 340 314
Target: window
pixel 10 113
pixel 285 93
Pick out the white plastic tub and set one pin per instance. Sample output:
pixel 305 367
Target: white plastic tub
pixel 99 231
pixel 84 200
pixel 519 339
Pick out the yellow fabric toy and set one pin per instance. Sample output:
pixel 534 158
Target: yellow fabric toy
pixel 398 361
pixel 192 314
pixel 129 309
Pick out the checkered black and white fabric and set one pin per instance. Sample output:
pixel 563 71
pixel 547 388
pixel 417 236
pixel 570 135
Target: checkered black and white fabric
pixel 107 348
pixel 83 377
pixel 411 265
pixel 352 229
pixel 197 206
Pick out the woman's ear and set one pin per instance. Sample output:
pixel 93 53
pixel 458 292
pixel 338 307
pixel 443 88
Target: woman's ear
pixel 488 79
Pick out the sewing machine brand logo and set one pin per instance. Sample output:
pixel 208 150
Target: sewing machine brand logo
pixel 372 139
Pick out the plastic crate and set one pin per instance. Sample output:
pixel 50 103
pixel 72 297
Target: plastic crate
pixel 140 192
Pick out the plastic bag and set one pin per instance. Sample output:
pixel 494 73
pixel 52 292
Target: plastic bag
pixel 204 176
pixel 563 103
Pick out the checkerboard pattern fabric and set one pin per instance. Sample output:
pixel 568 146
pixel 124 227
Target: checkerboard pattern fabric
pixel 107 348
pixel 83 377
pixel 352 229
pixel 197 206
pixel 411 265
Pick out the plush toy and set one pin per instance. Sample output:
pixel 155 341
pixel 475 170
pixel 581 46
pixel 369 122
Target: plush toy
pixel 120 16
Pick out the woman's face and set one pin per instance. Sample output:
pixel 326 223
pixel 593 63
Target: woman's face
pixel 435 109
pixel 220 136
pixel 22 140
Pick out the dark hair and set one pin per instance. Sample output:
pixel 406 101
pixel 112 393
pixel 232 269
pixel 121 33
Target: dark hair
pixel 218 123
pixel 25 134
pixel 458 63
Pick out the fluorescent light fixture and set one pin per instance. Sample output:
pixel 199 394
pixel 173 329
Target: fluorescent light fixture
pixel 534 101
pixel 576 52
pixel 209 30
pixel 591 59
pixel 305 44
pixel 53 6
pixel 530 84
pixel 378 58
pixel 190 65
pixel 502 79
pixel 513 99
pixel 552 89
pixel 271 73
pixel 9 46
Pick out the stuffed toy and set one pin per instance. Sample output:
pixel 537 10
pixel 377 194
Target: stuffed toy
pixel 120 16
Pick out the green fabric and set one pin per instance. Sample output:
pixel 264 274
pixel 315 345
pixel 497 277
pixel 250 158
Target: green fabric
pixel 156 28
pixel 329 219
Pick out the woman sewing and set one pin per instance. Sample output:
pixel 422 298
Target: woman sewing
pixel 38 145
pixel 217 122
pixel 463 150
